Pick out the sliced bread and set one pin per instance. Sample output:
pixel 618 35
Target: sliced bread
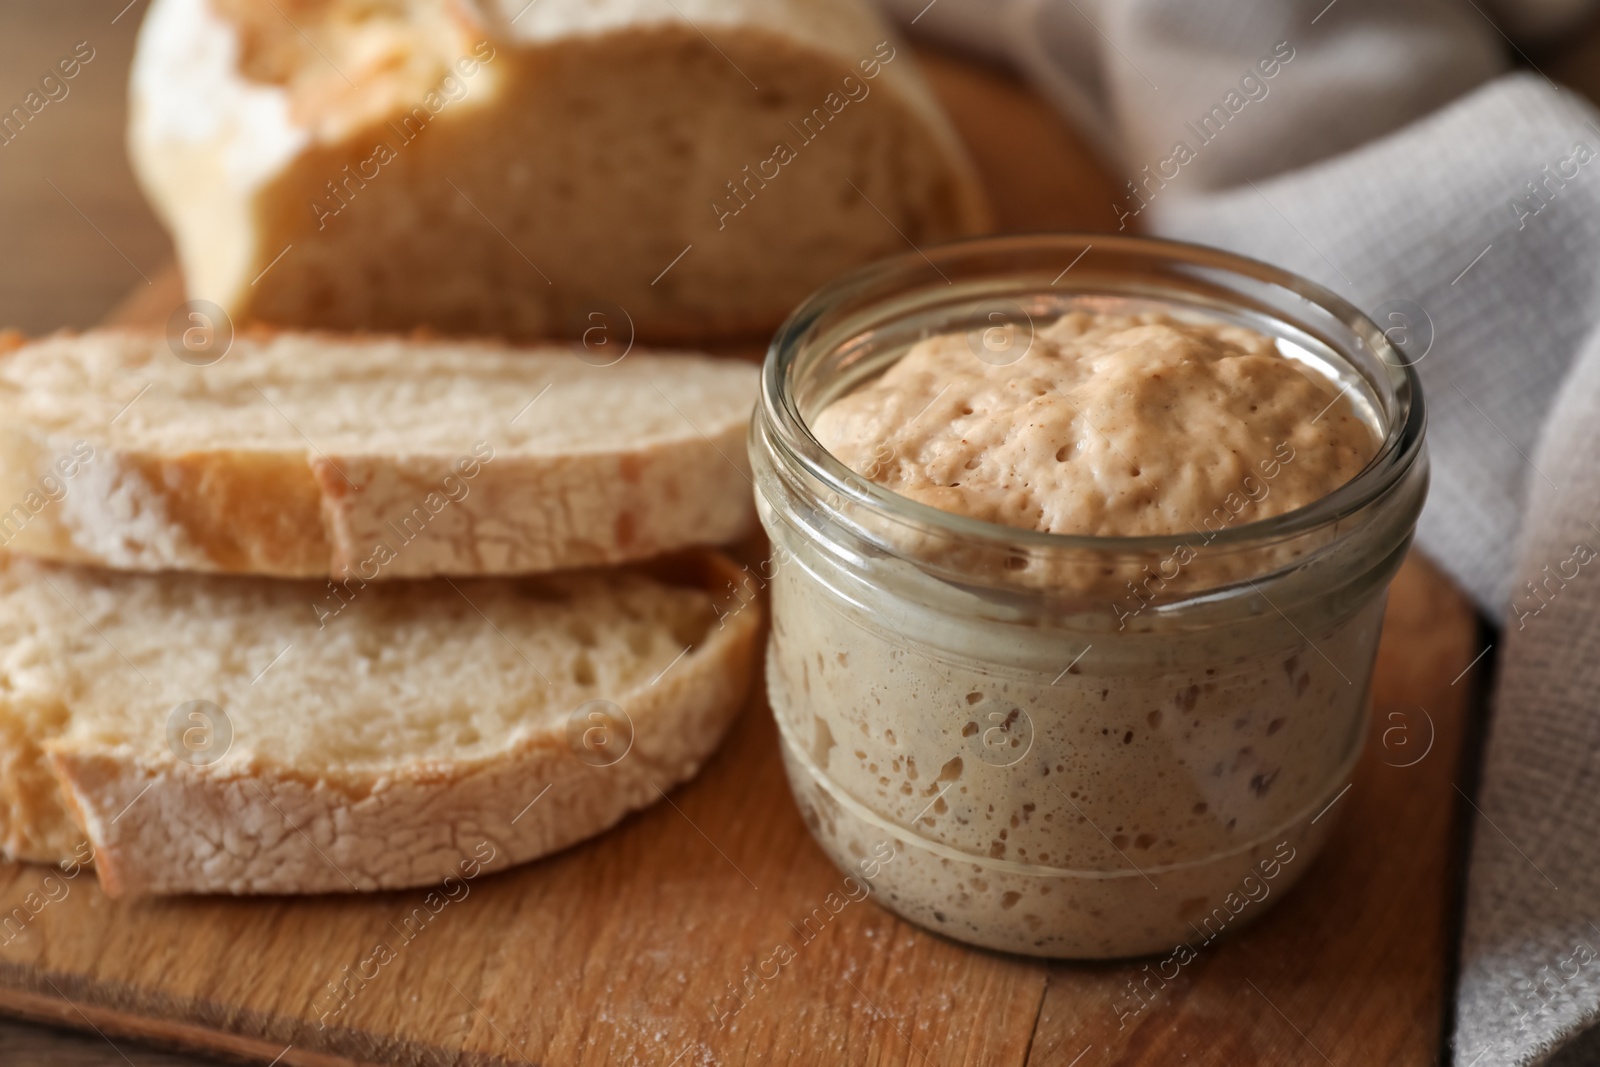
pixel 302 455
pixel 506 168
pixel 205 734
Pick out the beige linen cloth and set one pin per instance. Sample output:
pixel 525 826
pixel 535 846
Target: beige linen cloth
pixel 1396 152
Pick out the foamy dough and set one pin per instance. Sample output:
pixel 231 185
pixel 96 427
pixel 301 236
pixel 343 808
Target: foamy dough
pixel 1113 425
pixel 1108 805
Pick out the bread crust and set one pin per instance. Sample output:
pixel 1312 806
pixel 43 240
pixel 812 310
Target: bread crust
pixel 165 827
pixel 281 157
pixel 366 516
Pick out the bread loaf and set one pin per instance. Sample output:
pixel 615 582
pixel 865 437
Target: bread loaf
pixel 364 459
pixel 207 734
pixel 514 168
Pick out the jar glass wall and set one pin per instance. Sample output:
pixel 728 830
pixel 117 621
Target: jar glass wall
pixel 1062 745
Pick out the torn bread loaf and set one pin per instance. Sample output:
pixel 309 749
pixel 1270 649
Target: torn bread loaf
pixel 499 167
pixel 302 455
pixel 209 734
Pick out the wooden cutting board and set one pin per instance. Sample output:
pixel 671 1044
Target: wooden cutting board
pixel 627 949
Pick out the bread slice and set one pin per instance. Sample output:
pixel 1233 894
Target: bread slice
pixel 507 168
pixel 431 723
pixel 307 455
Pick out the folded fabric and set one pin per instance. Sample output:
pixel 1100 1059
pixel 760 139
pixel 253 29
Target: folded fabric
pixel 1377 147
pixel 1433 230
pixel 1530 975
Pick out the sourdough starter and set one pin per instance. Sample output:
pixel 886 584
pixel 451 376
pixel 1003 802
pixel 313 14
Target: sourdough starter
pixel 1046 794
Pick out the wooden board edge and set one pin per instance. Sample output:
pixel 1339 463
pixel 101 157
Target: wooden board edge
pixel 168 1034
pixel 1481 677
pixel 171 1031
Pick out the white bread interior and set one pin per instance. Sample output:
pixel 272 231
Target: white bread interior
pixel 512 169
pixel 376 751
pixel 302 455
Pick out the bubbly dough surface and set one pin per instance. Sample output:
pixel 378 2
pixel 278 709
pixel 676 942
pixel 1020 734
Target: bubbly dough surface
pixel 1108 425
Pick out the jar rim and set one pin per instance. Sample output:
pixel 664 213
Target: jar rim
pixel 794 440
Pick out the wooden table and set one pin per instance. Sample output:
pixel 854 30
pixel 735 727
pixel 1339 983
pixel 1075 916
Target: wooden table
pixel 619 950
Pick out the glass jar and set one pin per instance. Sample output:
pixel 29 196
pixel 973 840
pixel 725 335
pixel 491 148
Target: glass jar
pixel 1061 745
